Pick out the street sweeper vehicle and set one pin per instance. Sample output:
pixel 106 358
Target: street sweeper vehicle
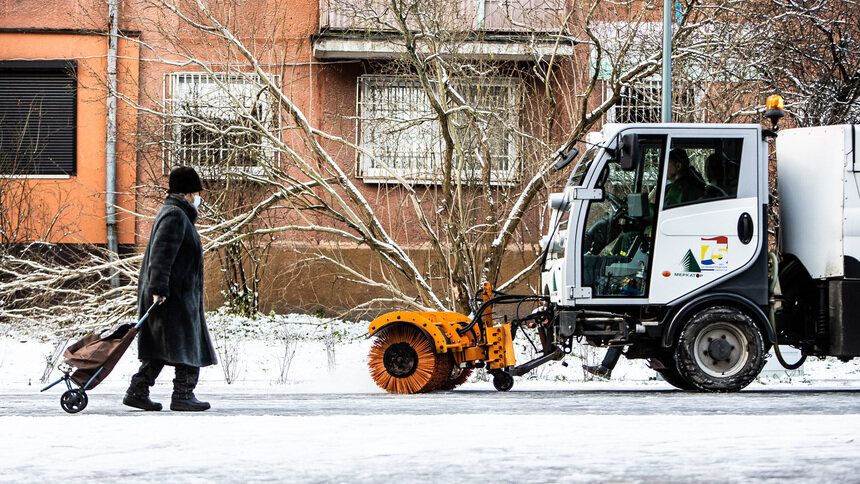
pixel 659 244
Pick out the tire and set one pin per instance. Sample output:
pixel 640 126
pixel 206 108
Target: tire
pixel 720 349
pixel 675 379
pixel 669 372
pixel 73 401
pixel 503 381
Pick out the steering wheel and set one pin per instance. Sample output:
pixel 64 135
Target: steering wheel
pixel 615 202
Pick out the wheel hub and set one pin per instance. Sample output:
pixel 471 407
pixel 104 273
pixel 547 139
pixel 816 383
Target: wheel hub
pixel 400 360
pixel 720 349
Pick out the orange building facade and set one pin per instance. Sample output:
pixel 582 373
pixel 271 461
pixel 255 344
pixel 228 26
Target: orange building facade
pixel 68 202
pixel 321 57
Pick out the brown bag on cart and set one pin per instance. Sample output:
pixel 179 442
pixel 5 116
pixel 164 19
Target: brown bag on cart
pixel 98 351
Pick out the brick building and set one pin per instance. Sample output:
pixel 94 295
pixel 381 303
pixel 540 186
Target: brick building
pixel 339 60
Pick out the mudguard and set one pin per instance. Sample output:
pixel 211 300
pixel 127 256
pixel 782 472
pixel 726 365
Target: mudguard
pixel 439 327
pixel 676 320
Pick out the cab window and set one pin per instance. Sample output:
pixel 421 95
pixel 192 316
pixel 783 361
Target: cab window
pixel 702 169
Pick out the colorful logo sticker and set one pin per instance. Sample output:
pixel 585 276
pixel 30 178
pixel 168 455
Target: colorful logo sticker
pixel 715 254
pixel 689 264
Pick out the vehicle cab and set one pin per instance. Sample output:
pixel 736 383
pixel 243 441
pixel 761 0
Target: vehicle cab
pixel 658 214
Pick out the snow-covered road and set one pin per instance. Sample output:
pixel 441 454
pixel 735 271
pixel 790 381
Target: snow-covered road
pixel 471 435
pixel 326 426
pixel 475 398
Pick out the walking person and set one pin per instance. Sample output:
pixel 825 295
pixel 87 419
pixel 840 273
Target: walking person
pixel 610 359
pixel 172 275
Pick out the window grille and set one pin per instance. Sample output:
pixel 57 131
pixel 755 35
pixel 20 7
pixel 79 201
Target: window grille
pixel 399 128
pixel 643 103
pixel 212 122
pixel 639 104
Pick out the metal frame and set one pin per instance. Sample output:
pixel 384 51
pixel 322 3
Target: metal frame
pixel 172 129
pixel 406 90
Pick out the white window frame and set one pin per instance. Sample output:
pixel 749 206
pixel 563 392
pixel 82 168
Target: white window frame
pixel 424 132
pixel 209 91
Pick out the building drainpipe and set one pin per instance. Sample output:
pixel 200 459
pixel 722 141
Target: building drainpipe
pixel 110 145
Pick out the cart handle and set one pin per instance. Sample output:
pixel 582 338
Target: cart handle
pixel 157 302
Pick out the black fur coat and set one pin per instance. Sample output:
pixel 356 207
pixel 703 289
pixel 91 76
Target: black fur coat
pixel 176 331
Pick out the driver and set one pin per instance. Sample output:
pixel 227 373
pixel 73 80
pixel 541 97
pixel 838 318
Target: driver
pixel 683 183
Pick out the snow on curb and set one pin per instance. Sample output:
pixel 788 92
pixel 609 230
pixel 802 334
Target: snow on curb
pixel 331 356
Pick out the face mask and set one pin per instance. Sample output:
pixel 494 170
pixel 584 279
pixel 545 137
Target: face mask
pixel 196 201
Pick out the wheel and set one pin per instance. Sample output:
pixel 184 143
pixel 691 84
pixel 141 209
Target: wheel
pixel 720 350
pixel 667 370
pixel 503 381
pixel 458 377
pixel 675 379
pixel 73 401
pixel 402 360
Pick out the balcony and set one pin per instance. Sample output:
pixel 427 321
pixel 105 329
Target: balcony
pixel 482 15
pixel 497 29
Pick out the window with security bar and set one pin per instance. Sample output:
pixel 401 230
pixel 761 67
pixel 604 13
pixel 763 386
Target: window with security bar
pixel 643 103
pixel 398 127
pixel 213 122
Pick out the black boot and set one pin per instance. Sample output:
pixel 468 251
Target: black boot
pixel 183 390
pixel 141 402
pixel 599 371
pixel 137 395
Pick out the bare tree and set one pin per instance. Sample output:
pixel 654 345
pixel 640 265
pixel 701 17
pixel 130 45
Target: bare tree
pixel 497 128
pixel 815 50
pixel 470 211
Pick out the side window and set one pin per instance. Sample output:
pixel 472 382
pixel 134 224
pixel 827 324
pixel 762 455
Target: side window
pixel 702 169
pixel 619 232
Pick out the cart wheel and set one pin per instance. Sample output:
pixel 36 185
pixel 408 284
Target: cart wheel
pixel 73 401
pixel 503 381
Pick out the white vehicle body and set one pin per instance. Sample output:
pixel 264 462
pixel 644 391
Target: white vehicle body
pixel 659 244
pixel 679 229
pixel 819 187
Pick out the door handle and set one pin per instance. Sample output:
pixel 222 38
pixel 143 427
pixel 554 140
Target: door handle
pixel 745 228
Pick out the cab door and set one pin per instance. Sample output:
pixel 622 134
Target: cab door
pixel 710 223
pixel 613 261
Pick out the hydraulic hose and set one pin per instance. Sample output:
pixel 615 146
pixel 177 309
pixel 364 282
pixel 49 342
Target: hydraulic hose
pixel 502 298
pixel 772 316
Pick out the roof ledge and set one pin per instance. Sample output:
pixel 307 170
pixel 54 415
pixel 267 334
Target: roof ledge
pixel 390 47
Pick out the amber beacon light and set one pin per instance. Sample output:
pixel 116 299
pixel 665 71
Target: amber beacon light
pixel 774 110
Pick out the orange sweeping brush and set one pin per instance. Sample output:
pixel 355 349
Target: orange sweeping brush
pixel 402 360
pixel 458 377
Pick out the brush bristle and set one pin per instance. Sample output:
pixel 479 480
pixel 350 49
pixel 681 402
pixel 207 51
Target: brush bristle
pixel 424 375
pixel 461 377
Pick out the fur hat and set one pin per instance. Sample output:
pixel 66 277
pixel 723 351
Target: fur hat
pixel 184 180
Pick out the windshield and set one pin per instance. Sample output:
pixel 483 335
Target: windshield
pixel 582 167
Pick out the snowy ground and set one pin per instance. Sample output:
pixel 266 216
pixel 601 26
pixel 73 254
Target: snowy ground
pixel 334 425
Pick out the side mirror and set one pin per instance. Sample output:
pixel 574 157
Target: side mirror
pixel 566 159
pixel 628 151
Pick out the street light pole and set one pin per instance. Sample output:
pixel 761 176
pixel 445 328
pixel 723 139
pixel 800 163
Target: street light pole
pixel 666 92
